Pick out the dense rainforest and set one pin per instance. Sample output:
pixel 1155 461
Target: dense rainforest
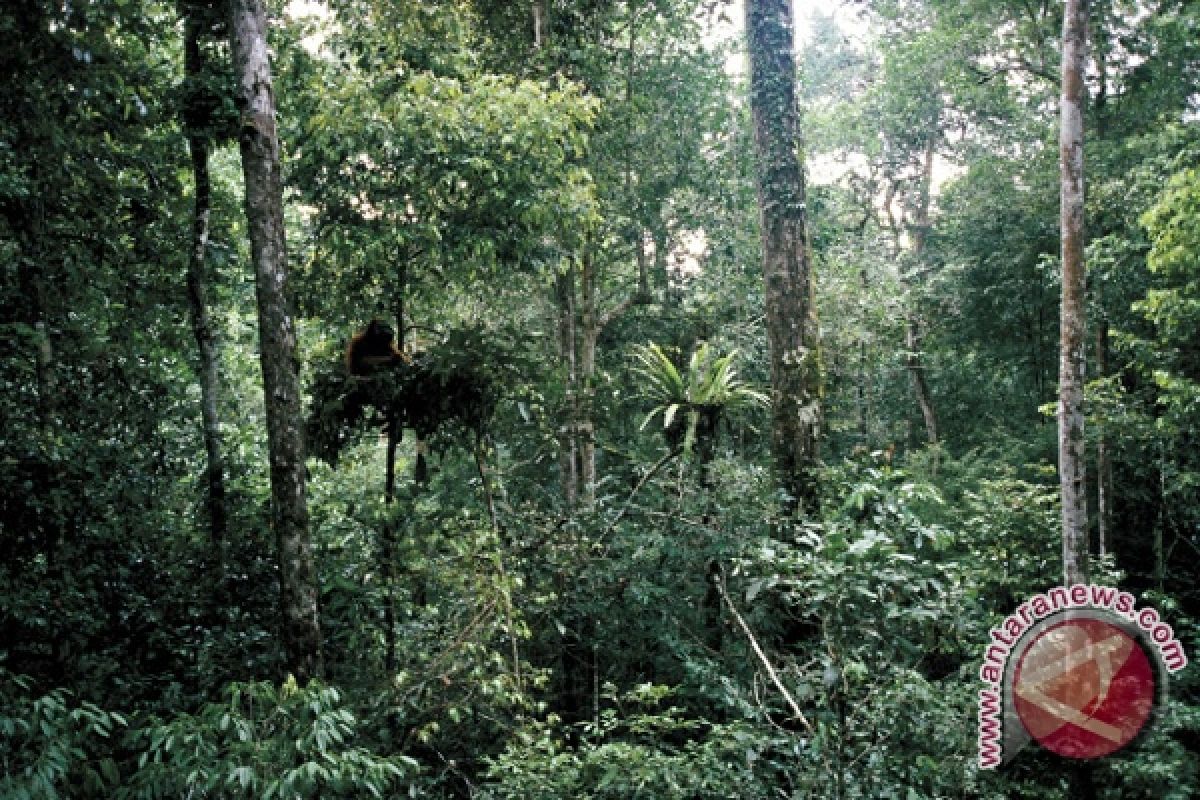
pixel 583 398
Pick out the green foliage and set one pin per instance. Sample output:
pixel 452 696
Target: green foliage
pixel 443 171
pixel 637 748
pixel 1174 258
pixel 54 745
pixel 1014 551
pixel 442 180
pixel 445 392
pixel 263 741
pixel 709 388
pixel 1159 764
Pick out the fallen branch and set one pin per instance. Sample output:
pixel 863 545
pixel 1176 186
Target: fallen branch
pixel 719 582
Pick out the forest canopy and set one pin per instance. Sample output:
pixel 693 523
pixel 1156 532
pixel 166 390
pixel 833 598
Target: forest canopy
pixel 586 399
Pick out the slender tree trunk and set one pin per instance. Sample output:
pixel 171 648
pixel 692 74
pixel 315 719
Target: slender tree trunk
pixel 1157 550
pixel 916 370
pixel 539 20
pixel 585 424
pixel 1103 459
pixel 672 297
pixel 791 314
pixel 387 551
pixel 592 323
pixel 643 266
pixel 920 237
pixel 277 339
pixel 861 380
pixel 1101 46
pixel 202 326
pixel 1071 452
pixel 564 291
pixel 564 304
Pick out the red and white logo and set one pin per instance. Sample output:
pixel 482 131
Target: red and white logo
pixel 1083 688
pixel 1078 669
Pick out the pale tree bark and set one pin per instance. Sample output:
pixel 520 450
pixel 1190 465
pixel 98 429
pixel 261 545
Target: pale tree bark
pixel 277 338
pixel 585 424
pixel 592 322
pixel 791 314
pixel 643 267
pixel 920 236
pixel 1071 450
pixel 201 320
pixel 580 323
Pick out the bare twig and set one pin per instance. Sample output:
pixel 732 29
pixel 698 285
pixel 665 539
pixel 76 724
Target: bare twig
pixel 637 488
pixel 719 582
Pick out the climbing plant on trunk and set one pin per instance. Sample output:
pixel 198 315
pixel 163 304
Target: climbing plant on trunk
pixel 791 314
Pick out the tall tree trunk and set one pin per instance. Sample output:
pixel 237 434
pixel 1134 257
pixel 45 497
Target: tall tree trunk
pixel 916 370
pixel 202 327
pixel 277 338
pixel 1101 47
pixel 1103 458
pixel 564 305
pixel 592 323
pixel 791 314
pixel 1071 450
pixel 568 461
pixel 643 267
pixel 387 549
pixel 920 237
pixel 672 296
pixel 860 387
pixel 539 21
pixel 585 424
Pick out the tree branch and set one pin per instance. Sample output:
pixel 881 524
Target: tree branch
pixel 719 582
pixel 614 312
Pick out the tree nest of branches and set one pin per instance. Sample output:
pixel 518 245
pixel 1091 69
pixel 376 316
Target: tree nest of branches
pixel 446 392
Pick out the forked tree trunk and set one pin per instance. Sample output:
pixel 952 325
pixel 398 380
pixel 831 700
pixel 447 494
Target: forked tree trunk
pixel 1071 450
pixel 791 315
pixel 277 338
pixel 202 327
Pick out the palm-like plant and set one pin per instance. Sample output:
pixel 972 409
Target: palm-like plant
pixel 703 393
